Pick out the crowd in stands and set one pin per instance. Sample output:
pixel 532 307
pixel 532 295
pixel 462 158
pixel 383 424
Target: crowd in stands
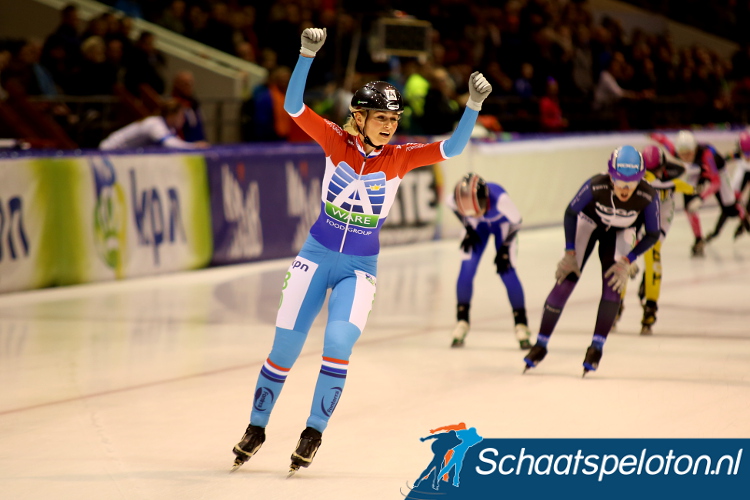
pixel 553 66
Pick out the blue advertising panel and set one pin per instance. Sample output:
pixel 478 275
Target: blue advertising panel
pixel 263 200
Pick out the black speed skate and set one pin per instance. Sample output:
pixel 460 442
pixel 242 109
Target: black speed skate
pixel 309 442
pixel 738 232
pixel 535 356
pixel 523 334
pixel 249 445
pixel 649 317
pixel 591 361
pixel 698 249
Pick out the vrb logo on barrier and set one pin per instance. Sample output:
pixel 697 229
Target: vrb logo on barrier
pixel 302 202
pixel 243 210
pixel 14 239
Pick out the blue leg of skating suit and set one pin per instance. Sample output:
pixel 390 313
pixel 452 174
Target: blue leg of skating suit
pixel 514 288
pixel 287 345
pixel 340 337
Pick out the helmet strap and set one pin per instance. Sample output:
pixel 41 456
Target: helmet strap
pixel 362 131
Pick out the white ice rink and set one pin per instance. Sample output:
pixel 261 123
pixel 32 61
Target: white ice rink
pixel 139 389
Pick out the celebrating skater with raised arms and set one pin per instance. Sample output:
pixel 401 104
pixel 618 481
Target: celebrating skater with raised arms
pixel 608 208
pixel 363 173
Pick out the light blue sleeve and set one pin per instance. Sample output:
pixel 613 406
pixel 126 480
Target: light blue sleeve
pixel 454 145
pixel 293 101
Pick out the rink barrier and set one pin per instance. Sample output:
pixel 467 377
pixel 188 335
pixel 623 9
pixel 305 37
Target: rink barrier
pixel 80 218
pixel 77 217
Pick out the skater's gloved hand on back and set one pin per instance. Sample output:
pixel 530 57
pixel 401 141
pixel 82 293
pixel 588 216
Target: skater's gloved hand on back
pixel 312 41
pixel 568 264
pixel 618 274
pixel 502 260
pixel 479 89
pixel 471 240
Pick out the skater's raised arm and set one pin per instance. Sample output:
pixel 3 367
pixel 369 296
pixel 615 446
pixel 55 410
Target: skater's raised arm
pixel 479 89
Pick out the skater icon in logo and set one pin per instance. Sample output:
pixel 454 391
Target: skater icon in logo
pixel 450 450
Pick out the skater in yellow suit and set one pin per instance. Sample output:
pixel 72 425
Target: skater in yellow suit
pixel 663 175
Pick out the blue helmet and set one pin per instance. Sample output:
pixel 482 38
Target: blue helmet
pixel 626 164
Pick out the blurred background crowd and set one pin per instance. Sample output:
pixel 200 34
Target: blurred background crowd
pixel 554 66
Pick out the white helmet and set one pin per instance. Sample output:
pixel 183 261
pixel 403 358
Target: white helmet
pixel 685 142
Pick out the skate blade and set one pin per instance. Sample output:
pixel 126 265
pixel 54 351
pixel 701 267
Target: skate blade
pixel 587 369
pixel 457 343
pixel 237 464
pixel 646 330
pixel 292 469
pixel 524 344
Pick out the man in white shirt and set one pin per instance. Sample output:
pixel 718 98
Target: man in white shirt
pixel 153 131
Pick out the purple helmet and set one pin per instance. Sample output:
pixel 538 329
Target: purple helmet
pixel 744 142
pixel 653 157
pixel 626 164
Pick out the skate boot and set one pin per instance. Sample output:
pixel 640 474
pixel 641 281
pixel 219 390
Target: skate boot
pixel 535 356
pixel 523 334
pixel 697 249
pixel 591 361
pixel 738 232
pixel 250 443
pixel 649 317
pixel 460 333
pixel 309 442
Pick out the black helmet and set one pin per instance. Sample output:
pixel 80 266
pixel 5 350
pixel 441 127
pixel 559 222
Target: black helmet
pixel 471 195
pixel 380 96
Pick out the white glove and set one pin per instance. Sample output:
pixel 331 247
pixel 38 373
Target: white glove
pixel 694 204
pixel 312 41
pixel 479 89
pixel 568 264
pixel 620 272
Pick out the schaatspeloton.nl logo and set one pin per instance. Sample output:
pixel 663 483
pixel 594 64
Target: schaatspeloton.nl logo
pixel 465 465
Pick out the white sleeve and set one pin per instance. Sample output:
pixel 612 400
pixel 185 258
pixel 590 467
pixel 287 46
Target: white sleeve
pixel 739 173
pixel 175 142
pixel 506 207
pixel 161 135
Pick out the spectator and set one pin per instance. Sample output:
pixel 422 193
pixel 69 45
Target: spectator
pixel 183 90
pixel 153 131
pixel 66 35
pixel 416 87
pixel 219 34
pixel 523 86
pixel 4 61
pixel 550 114
pixel 173 17
pixel 146 66
pixel 441 110
pixel 24 67
pixel 115 55
pixel 95 76
pixel 583 62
